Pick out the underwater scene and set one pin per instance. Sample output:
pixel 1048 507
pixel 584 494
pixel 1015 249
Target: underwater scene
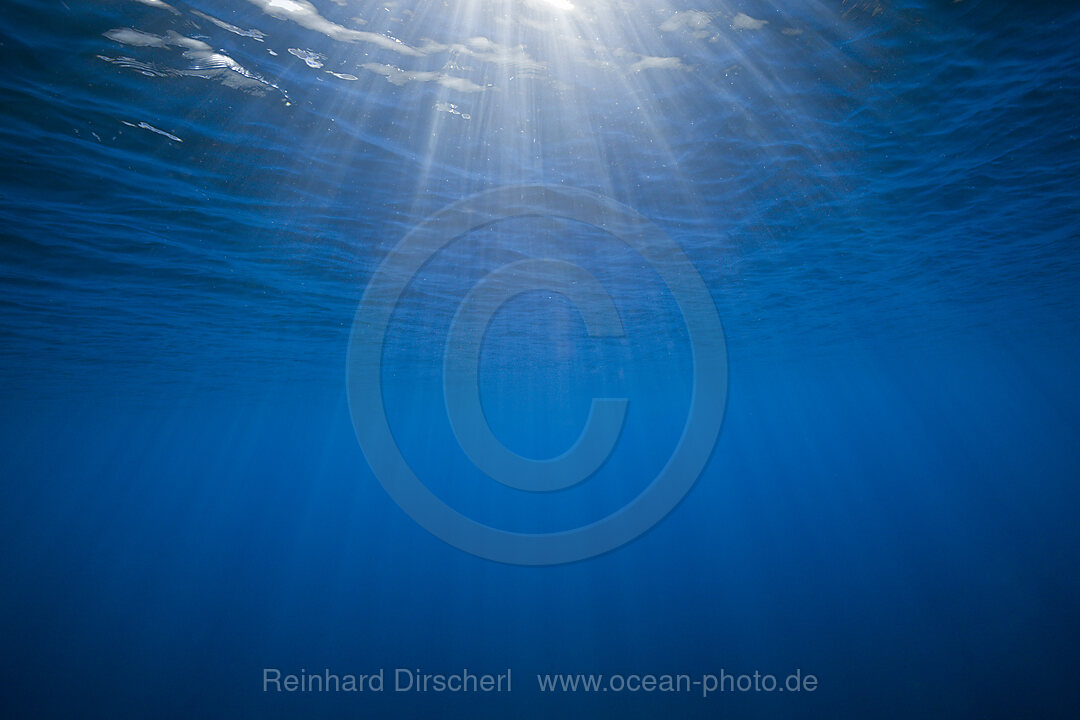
pixel 539 359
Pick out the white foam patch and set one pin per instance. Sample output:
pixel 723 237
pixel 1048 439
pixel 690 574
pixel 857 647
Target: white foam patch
pixel 312 59
pixel 397 76
pixel 151 128
pixel 160 5
pixel 400 77
pixel 135 38
pixel 451 109
pixel 742 21
pixel 203 61
pixel 651 62
pixel 486 50
pixel 253 34
pixel 306 15
pixel 691 19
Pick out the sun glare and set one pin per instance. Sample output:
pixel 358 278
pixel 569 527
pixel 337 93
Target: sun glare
pixel 557 4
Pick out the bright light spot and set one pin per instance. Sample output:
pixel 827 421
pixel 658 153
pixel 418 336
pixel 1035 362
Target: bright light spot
pixel 285 5
pixel 557 4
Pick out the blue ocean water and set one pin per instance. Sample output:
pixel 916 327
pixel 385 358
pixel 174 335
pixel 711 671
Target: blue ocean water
pixel 879 197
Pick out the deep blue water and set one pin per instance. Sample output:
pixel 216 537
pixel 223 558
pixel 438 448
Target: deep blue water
pixel 881 199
